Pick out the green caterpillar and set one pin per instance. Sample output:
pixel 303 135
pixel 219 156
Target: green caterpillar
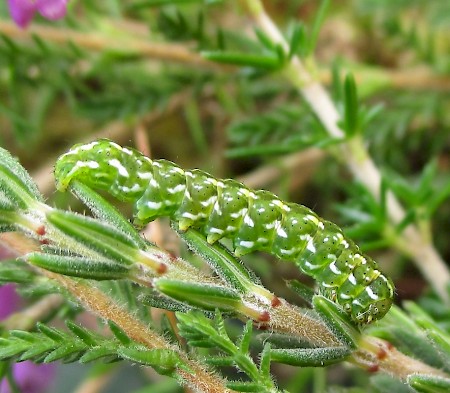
pixel 253 220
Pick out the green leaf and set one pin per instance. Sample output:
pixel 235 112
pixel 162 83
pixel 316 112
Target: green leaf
pixel 401 188
pixel 418 346
pixel 105 211
pixel 246 337
pixel 107 352
pixel 441 343
pixel 196 327
pixel 51 332
pixel 119 333
pixel 297 41
pixel 155 299
pixel 351 107
pixel 337 321
pixel 95 269
pixel 24 335
pixel 16 184
pixel 244 386
pixel 51 344
pixel 38 350
pixel 408 219
pixel 67 352
pixel 15 271
pixel 264 39
pixel 317 24
pixel 204 296
pixel 164 359
pixel 10 348
pixel 278 340
pixel 387 384
pixel 425 186
pixel 225 264
pixel 438 197
pixel 221 361
pixel 12 46
pixel 380 208
pixel 85 335
pixel 422 197
pixel 310 357
pixel 438 337
pixel 266 358
pixel 405 334
pixel 429 383
pixel 304 291
pixel 219 324
pixel 269 62
pixel 336 82
pixel 194 124
pixel 101 237
pixel 282 129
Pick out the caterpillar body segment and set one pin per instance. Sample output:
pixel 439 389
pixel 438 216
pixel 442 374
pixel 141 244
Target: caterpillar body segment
pixel 252 220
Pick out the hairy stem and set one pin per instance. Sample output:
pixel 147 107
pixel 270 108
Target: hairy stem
pixel 201 379
pixel 379 355
pixel 93 299
pixel 354 152
pixel 372 353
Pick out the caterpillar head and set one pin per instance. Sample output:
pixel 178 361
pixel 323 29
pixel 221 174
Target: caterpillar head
pixel 66 168
pixel 374 301
pixel 79 163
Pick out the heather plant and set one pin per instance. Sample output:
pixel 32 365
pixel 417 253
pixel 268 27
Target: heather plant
pixel 22 11
pixel 339 107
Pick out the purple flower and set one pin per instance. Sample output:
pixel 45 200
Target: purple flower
pixel 30 377
pixel 9 301
pixel 22 11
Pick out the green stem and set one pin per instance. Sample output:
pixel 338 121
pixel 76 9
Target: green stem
pixel 354 152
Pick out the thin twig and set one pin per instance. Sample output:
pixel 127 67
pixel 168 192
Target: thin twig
pixel 264 175
pixel 417 78
pixel 355 154
pixel 141 139
pixel 98 41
